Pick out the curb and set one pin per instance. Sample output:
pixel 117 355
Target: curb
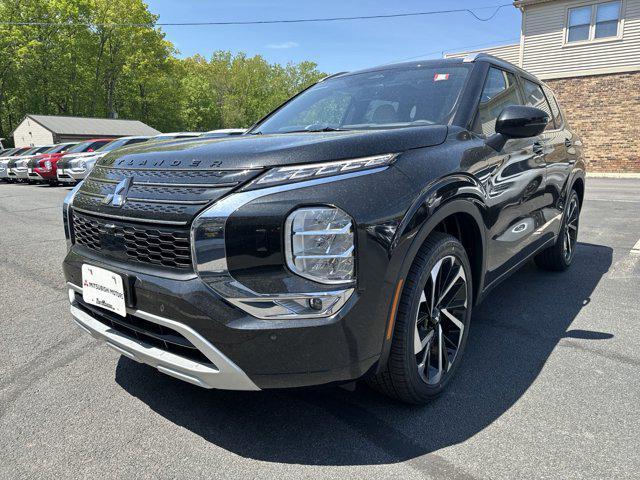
pixel 613 175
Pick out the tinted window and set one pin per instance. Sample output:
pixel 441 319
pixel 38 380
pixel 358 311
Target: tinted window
pixel 135 140
pixel 42 149
pixel 9 152
pixel 500 90
pixel 555 109
pixel 391 98
pixel 97 144
pixel 533 97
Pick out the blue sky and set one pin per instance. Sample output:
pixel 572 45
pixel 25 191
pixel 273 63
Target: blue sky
pixel 335 46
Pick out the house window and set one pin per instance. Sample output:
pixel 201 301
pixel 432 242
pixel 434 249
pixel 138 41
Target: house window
pixel 607 17
pixel 591 22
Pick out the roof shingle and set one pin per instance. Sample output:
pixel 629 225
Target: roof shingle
pixel 93 126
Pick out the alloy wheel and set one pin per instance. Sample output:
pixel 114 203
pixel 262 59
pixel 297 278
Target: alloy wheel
pixel 439 324
pixel 571 229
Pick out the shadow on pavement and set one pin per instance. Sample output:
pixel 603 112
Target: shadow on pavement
pixel 512 335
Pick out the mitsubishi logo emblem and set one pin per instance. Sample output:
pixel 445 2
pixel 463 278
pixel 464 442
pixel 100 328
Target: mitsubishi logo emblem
pixel 119 196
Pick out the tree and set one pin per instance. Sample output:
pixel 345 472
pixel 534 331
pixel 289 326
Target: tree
pixel 85 65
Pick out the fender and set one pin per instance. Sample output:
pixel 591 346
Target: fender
pixel 459 193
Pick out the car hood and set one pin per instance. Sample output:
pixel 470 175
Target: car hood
pixel 69 160
pixel 259 151
pixel 77 160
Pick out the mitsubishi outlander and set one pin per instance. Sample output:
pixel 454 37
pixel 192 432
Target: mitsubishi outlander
pixel 347 235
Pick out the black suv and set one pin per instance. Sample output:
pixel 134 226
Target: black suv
pixel 346 235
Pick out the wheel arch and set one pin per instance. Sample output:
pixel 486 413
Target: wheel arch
pixel 460 215
pixel 578 186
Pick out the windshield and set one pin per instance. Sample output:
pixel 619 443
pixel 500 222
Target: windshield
pixel 81 147
pixel 8 152
pixel 121 142
pixel 60 148
pixel 112 145
pixel 43 149
pixel 382 99
pixel 52 149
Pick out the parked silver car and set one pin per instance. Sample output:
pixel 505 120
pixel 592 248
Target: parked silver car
pixel 6 157
pixel 76 166
pixel 16 168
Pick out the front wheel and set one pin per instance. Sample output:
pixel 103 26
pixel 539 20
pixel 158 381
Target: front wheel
pixel 432 323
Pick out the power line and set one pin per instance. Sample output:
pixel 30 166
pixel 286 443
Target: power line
pixel 268 22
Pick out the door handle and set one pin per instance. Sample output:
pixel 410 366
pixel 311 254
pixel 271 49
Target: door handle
pixel 538 148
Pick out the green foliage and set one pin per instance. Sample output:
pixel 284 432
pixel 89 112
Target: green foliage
pixel 132 71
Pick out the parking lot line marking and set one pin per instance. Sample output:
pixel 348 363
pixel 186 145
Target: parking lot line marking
pixel 636 248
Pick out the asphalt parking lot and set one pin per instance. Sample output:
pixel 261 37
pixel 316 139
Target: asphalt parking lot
pixel 550 386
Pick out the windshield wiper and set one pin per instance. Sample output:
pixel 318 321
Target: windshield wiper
pixel 316 130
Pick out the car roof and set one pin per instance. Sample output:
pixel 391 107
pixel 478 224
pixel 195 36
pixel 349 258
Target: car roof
pixel 443 62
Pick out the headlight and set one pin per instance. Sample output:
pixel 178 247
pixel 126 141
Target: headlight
pixel 47 165
pixel 297 173
pixel 319 244
pixel 83 165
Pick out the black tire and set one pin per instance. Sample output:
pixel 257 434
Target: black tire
pixel 558 257
pixel 402 378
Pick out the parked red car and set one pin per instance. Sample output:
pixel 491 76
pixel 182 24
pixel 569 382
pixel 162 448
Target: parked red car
pixel 44 167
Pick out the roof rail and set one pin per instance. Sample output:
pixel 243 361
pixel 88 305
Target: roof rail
pixel 472 57
pixel 331 76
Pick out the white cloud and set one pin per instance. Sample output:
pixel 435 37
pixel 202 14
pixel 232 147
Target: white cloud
pixel 283 45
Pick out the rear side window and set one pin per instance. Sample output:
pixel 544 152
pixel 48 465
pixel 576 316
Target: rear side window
pixel 533 97
pixel 500 91
pixel 555 108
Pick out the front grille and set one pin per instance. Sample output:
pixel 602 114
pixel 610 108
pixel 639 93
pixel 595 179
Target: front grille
pixel 151 333
pixel 168 247
pixel 162 196
pixel 153 224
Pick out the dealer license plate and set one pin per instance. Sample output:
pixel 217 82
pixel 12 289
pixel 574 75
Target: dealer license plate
pixel 104 289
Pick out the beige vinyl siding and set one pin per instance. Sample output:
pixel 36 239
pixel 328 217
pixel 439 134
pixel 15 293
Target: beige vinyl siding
pixel 510 53
pixel 30 133
pixel 548 56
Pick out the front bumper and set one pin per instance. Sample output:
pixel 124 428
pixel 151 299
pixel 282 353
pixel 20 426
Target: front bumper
pixel 41 174
pixel 271 354
pixel 221 373
pixel 21 173
pixel 70 175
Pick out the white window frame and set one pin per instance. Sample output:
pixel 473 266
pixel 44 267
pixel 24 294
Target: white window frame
pixel 592 26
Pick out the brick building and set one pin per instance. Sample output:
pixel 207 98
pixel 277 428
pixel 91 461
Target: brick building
pixel 588 52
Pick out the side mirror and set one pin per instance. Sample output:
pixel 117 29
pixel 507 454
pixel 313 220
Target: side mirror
pixel 517 121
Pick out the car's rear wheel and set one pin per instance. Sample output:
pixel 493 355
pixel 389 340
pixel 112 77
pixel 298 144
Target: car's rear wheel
pixel 432 323
pixel 559 256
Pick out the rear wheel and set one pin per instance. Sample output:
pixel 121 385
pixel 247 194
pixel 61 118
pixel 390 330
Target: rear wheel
pixel 431 323
pixel 559 256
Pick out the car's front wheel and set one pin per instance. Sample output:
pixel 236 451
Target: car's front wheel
pixel 432 323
